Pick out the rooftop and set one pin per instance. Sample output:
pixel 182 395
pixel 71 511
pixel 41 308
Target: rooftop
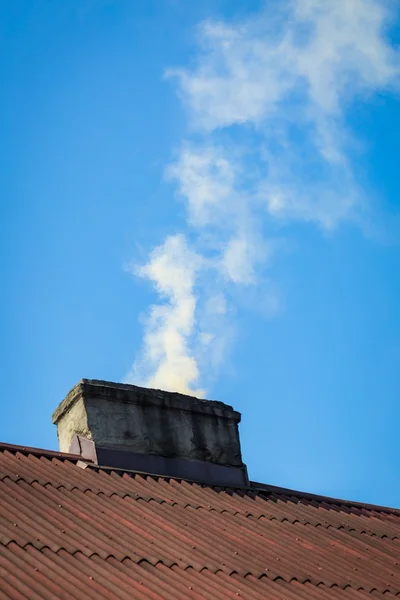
pixel 70 528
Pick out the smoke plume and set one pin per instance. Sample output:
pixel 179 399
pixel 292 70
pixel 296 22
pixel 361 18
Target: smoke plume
pixel 267 102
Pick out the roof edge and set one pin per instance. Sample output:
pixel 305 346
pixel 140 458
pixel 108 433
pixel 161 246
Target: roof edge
pixel 41 452
pixel 274 489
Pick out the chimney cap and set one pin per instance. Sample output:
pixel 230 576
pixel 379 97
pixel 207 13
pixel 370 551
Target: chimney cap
pixel 133 394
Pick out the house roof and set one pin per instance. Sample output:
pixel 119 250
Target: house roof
pixel 72 529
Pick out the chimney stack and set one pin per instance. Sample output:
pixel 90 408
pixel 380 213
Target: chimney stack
pixel 152 431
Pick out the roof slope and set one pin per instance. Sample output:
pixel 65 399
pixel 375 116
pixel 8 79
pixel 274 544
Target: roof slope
pixel 67 531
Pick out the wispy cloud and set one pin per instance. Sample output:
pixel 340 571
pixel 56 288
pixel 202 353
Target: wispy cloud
pixel 317 52
pixel 267 102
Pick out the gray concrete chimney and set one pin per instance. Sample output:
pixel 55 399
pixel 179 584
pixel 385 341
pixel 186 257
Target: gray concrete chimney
pixel 165 433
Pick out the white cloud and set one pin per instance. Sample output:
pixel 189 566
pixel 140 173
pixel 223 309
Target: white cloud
pixel 228 85
pixel 268 98
pixel 206 179
pixel 211 182
pixel 238 260
pixel 297 187
pixel 292 73
pixel 319 51
pixel 347 52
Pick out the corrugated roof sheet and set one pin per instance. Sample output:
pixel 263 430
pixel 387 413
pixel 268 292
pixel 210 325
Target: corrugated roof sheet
pixel 73 532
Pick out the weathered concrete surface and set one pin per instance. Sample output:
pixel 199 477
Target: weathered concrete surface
pixel 145 421
pixel 75 421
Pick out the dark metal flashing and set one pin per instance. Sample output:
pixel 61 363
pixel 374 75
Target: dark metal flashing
pixel 156 476
pixel 200 471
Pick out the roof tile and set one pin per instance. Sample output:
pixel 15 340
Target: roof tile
pixel 73 532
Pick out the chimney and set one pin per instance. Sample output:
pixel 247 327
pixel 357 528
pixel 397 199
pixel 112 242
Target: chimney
pixel 152 431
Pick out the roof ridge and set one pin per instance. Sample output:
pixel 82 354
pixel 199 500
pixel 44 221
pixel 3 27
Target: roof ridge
pixel 254 486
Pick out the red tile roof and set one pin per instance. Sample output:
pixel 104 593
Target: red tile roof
pixel 73 530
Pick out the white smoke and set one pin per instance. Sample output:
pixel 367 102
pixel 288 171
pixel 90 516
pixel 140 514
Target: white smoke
pixel 167 360
pixel 267 101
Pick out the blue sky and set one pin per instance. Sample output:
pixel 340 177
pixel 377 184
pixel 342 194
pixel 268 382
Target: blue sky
pixel 205 196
